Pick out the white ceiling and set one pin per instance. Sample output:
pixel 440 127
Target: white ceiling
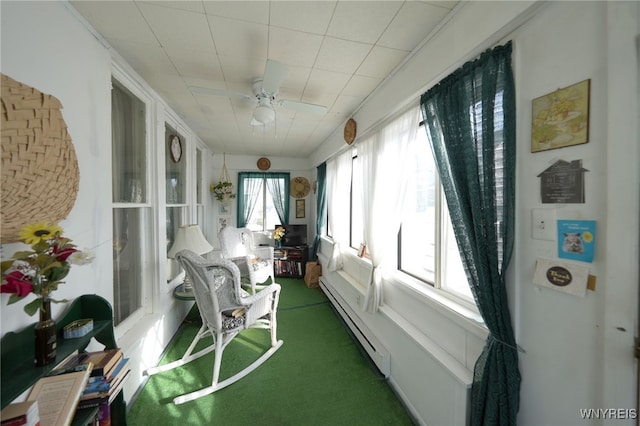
pixel 337 53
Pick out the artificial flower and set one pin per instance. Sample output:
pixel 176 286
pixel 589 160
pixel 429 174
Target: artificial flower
pixel 33 234
pixel 41 270
pixel 278 233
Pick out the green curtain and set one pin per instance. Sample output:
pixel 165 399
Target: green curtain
pixel 278 184
pixel 470 121
pixel 321 207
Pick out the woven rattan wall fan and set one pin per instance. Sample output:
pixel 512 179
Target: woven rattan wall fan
pixel 40 176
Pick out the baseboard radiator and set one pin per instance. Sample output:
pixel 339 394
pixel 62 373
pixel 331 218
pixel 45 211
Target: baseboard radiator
pixel 376 351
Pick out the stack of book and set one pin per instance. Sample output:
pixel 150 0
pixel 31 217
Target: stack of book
pixel 21 413
pixel 108 374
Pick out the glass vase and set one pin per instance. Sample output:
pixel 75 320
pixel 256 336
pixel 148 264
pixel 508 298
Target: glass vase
pixel 278 244
pixel 45 336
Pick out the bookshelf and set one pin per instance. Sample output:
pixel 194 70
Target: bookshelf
pixel 19 373
pixel 290 261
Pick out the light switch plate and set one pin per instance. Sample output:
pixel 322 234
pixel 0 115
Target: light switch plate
pixel 543 224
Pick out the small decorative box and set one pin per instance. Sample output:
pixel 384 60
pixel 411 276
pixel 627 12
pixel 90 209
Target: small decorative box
pixel 78 328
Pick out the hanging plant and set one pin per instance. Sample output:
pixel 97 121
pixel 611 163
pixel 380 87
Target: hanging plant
pixel 223 189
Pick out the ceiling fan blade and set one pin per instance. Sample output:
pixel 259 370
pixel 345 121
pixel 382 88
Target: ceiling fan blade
pixel 219 92
pixel 303 107
pixel 274 75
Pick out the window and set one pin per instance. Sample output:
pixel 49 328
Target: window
pixel 131 212
pixel 356 236
pixel 263 200
pixel 176 189
pixel 427 246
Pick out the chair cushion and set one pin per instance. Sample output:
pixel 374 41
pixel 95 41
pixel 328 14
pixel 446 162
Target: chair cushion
pixel 258 263
pixel 230 323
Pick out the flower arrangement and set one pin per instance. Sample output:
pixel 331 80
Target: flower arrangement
pixel 278 233
pixel 40 270
pixel 222 190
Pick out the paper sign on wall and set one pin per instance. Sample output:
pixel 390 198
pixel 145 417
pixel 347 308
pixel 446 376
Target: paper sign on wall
pixel 577 239
pixel 568 277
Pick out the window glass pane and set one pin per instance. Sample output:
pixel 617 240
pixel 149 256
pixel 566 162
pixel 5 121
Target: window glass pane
pixel 271 213
pixel 255 188
pixel 129 160
pixel 454 278
pixel 199 176
pixel 129 243
pixel 357 230
pixel 175 171
pixel 418 232
pixel 176 217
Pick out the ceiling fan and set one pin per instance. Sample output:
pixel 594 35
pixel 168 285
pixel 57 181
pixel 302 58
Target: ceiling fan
pixel 265 91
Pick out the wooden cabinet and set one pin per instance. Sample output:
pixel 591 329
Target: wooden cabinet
pixel 290 261
pixel 19 372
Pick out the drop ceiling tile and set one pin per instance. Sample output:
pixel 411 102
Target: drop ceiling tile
pixel 195 64
pixel 190 6
pixel 293 47
pixel 241 39
pixel 341 55
pixel 324 87
pixel 178 28
pixel 117 20
pixel 145 60
pixel 362 21
pixel 381 61
pixel 361 86
pixel 249 11
pixel 242 71
pixel 306 16
pixel 412 25
pixel 345 105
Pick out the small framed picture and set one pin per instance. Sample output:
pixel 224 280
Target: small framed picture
pixel 300 209
pixel 561 118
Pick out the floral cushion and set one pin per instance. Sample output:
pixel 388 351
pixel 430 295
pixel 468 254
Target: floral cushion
pixel 230 322
pixel 257 263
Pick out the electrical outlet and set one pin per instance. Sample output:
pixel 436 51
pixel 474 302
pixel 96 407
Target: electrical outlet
pixel 543 224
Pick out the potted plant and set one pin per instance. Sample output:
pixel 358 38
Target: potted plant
pixel 222 190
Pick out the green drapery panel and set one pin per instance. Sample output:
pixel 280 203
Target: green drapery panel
pixel 249 184
pixel 321 207
pixel 470 121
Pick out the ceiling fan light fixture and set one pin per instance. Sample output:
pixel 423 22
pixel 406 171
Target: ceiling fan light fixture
pixel 264 114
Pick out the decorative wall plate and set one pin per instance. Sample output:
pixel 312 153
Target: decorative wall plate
pixel 264 163
pixel 350 129
pixel 300 187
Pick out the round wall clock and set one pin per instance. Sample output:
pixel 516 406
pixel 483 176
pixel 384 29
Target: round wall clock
pixel 264 163
pixel 175 148
pixel 350 129
pixel 300 187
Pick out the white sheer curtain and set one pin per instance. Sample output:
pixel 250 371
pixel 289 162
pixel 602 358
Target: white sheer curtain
pixel 383 159
pixel 338 201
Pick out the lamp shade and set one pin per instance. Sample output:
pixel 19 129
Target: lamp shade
pixel 189 237
pixel 264 114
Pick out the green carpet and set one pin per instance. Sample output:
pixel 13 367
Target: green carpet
pixel 318 377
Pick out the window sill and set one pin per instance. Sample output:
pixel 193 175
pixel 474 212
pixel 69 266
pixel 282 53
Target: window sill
pixel 464 314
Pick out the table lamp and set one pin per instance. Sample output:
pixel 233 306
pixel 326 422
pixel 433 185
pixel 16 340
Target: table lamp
pixel 189 237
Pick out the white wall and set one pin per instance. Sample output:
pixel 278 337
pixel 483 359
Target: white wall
pixel 578 351
pixel 44 48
